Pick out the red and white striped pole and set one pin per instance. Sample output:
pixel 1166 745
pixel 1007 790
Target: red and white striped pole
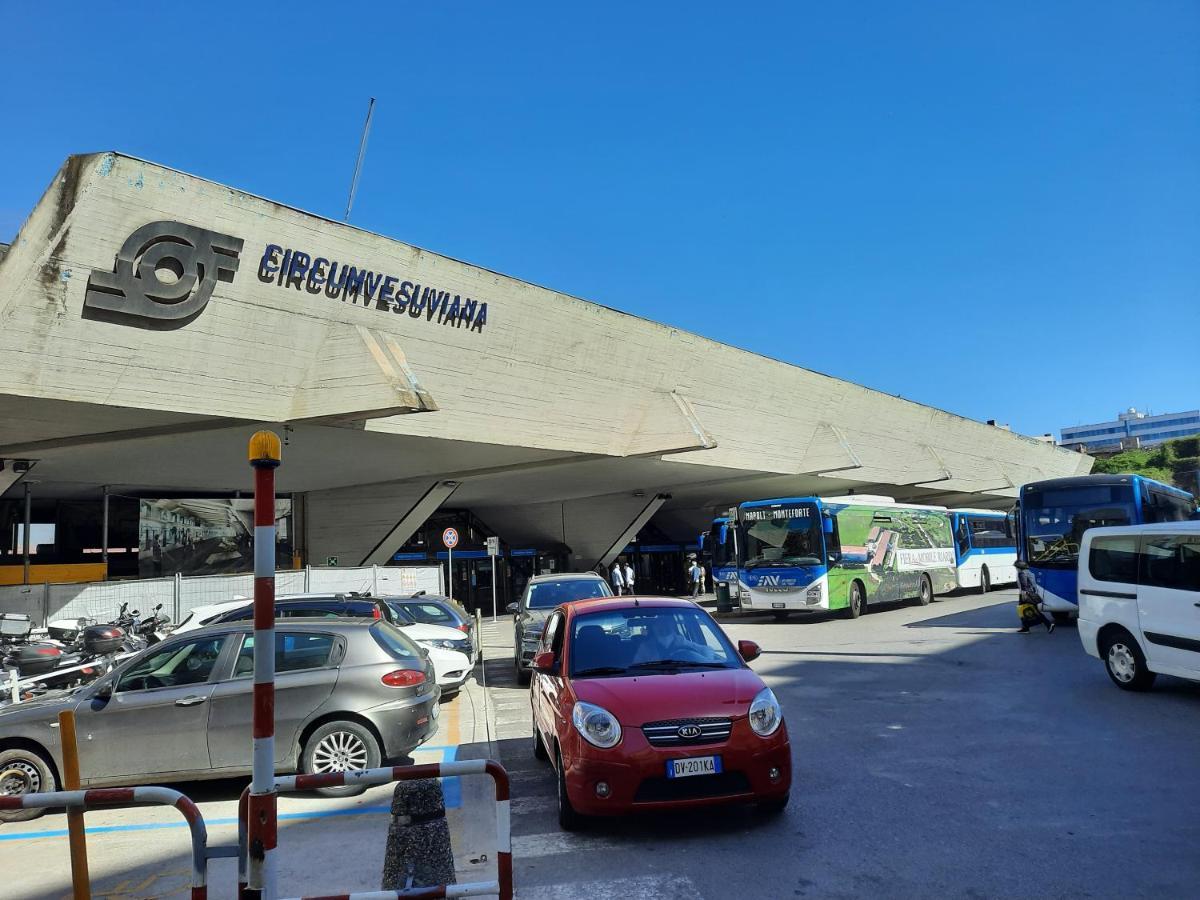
pixel 261 812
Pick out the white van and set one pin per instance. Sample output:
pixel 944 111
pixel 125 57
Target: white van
pixel 1139 601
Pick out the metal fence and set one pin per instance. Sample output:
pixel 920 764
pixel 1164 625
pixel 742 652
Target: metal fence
pixel 179 595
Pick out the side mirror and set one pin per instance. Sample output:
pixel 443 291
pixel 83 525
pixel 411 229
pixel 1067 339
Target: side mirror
pixel 104 692
pixel 544 661
pixel 749 650
pixel 511 609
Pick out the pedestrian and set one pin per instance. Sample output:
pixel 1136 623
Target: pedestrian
pixel 1029 604
pixel 696 577
pixel 617 579
pixel 627 572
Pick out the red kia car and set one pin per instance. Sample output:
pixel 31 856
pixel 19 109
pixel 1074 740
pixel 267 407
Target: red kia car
pixel 645 704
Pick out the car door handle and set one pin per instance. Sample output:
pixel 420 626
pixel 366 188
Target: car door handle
pixel 189 701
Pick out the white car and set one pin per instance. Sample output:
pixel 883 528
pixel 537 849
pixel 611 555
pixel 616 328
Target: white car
pixel 1139 601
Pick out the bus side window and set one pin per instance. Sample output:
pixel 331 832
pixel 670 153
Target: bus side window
pixel 963 537
pixel 833 544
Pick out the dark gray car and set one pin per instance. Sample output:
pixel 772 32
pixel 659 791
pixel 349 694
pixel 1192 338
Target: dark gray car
pixel 542 594
pixel 348 694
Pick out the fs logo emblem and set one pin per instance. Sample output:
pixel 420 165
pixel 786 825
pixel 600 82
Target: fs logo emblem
pixel 165 273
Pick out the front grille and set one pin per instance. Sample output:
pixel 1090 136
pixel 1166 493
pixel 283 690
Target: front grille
pixel 666 733
pixel 696 787
pixel 463 646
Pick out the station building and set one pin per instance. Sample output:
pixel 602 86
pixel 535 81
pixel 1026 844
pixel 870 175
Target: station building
pixel 150 321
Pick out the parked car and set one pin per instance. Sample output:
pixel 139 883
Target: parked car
pixel 348 695
pixel 431 609
pixel 449 650
pixel 542 594
pixel 1139 601
pixel 206 615
pixel 645 704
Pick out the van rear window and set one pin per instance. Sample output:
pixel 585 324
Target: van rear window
pixel 1114 559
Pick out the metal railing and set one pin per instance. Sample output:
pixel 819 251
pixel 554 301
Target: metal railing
pixel 503 886
pixel 109 798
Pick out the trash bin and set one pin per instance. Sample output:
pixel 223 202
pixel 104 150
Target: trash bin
pixel 724 599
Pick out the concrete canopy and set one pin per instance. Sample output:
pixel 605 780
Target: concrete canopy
pixel 151 320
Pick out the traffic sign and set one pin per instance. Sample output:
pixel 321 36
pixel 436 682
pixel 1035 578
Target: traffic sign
pixel 450 538
pixel 493 546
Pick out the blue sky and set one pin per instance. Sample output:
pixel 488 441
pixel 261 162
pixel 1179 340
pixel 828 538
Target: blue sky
pixel 992 208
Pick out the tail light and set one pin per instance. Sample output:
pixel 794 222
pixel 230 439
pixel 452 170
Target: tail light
pixel 376 613
pixel 403 678
pixel 47 651
pixel 464 628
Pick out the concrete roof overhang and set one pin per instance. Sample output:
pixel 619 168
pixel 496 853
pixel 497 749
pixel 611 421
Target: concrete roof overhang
pixel 550 398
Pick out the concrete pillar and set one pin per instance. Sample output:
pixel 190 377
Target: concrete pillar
pixel 418 850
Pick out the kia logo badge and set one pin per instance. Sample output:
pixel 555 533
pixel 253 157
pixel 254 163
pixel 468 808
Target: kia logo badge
pixel 689 731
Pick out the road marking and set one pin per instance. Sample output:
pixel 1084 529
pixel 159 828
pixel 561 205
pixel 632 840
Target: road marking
pixel 533 845
pixel 645 887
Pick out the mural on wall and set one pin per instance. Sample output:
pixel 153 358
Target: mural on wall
pixel 205 537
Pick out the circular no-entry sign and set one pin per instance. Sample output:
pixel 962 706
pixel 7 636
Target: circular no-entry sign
pixel 450 538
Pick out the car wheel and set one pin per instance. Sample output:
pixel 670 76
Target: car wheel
pixel 1125 663
pixel 985 581
pixel 856 604
pixel 926 596
pixel 340 747
pixel 775 805
pixel 24 772
pixel 568 819
pixel 1061 618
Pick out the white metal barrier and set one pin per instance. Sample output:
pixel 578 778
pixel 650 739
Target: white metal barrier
pixel 179 595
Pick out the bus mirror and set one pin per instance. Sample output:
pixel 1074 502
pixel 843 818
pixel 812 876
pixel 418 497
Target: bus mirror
pixel 1010 524
pixel 827 524
pixel 724 534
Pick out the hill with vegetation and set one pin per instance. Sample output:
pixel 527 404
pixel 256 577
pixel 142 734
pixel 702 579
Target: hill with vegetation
pixel 1174 462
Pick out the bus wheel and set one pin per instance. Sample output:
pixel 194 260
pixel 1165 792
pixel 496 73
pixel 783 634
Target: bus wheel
pixel 985 581
pixel 855 607
pixel 926 595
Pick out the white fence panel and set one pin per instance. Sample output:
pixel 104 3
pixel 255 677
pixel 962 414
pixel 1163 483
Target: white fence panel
pixel 321 579
pixel 102 600
pixel 409 579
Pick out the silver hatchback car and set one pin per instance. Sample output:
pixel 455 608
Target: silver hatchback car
pixel 349 693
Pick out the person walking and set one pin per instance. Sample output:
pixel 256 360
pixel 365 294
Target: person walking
pixel 696 577
pixel 627 572
pixel 617 579
pixel 1029 604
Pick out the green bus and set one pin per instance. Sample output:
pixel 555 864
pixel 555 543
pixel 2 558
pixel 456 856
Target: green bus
pixel 804 554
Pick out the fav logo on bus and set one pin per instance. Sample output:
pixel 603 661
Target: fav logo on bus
pixel 776 584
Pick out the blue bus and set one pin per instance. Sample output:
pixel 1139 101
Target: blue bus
pixel 721 544
pixel 1051 517
pixel 985 552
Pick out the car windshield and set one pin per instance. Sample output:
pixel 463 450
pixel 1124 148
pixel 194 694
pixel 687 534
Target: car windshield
pixel 776 537
pixel 1054 520
pixel 648 639
pixel 427 613
pixel 549 594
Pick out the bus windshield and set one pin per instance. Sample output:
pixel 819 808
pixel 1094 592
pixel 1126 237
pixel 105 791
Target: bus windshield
pixel 783 536
pixel 720 543
pixel 1056 518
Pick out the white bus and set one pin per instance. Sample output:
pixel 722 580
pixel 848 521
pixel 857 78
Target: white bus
pixel 984 553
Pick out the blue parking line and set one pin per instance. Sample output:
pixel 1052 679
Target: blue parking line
pixel 451 794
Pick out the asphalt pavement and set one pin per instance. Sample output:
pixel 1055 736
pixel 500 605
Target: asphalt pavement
pixel 937 752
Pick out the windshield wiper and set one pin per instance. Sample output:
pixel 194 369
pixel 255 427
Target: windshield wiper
pixel 600 670
pixel 678 664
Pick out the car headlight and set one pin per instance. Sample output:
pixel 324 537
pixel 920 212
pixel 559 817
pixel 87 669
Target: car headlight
pixel 440 644
pixel 765 713
pixel 596 725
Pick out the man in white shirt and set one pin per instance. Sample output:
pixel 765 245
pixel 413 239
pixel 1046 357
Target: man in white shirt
pixel 627 571
pixel 696 576
pixel 617 579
